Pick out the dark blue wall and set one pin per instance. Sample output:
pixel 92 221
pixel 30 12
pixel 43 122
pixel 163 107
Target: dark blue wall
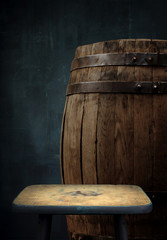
pixel 38 40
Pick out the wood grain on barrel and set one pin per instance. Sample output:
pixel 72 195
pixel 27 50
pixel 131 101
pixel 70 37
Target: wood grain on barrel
pixel 88 143
pixel 94 222
pixel 89 133
pixel 89 139
pixel 124 122
pixel 76 223
pixel 71 142
pixel 143 133
pixel 160 115
pixel 124 142
pixel 105 128
pixel 117 138
pixel 143 125
pixel 160 151
pixel 106 123
pixel 62 142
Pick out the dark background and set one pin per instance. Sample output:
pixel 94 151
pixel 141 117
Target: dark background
pixel 37 44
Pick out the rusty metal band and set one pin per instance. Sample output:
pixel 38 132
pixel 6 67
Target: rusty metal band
pixel 120 59
pixel 118 87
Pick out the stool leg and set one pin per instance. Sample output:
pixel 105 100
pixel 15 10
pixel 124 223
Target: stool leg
pixel 120 227
pixel 44 226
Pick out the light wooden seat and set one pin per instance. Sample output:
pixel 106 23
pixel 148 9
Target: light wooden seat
pixel 47 200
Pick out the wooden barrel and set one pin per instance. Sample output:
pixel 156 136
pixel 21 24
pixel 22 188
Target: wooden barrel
pixel 114 130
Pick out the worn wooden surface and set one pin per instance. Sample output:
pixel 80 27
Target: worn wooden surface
pixel 160 152
pixel 83 195
pixel 122 137
pixel 143 138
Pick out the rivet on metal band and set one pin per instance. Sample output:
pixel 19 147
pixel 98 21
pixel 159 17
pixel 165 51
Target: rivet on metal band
pixel 118 87
pixel 120 59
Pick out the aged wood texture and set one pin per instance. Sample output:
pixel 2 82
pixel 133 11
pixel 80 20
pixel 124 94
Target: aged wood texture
pixel 124 122
pixel 76 223
pixel 93 222
pixel 143 125
pixel 89 133
pixel 105 128
pixel 143 139
pixel 160 151
pixel 89 139
pixel 106 123
pixel 62 142
pixel 124 144
pixel 71 142
pixel 119 138
pixel 86 195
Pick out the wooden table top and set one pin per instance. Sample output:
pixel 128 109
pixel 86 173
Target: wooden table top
pixel 83 199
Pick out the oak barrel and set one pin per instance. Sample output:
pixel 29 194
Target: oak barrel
pixel 114 130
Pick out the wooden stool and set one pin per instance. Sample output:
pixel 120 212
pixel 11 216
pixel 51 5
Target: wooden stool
pixel 47 200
